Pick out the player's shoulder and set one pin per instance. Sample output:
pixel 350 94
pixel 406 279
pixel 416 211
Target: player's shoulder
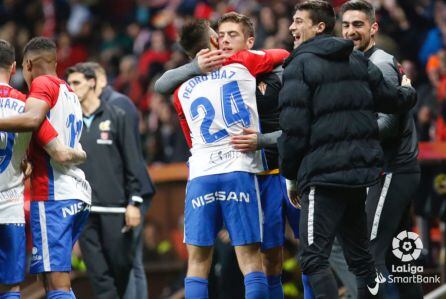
pixel 246 58
pixel 15 94
pixel 50 83
pixel 246 55
pixel 46 81
pixel 7 91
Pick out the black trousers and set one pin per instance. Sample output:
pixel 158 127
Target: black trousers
pixel 108 254
pixel 387 208
pixel 328 212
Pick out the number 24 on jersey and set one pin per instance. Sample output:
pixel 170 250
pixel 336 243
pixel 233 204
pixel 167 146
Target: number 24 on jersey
pixel 230 97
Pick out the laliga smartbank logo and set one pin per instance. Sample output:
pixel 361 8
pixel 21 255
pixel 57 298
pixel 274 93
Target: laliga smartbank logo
pixel 407 247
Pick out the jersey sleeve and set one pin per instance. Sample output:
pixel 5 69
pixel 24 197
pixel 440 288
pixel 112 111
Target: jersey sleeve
pixel 182 118
pixel 46 133
pixel 43 88
pixel 259 62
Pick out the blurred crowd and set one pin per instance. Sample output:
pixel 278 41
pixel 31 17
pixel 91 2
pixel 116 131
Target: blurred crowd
pixel 135 41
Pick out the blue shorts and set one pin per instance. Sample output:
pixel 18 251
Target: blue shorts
pixel 55 227
pixel 12 253
pixel 229 198
pixel 276 209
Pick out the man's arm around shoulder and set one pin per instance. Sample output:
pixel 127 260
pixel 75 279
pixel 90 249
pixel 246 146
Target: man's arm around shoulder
pixel 30 120
pixel 388 98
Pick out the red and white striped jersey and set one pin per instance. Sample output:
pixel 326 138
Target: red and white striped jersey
pixel 13 147
pixel 50 180
pixel 215 106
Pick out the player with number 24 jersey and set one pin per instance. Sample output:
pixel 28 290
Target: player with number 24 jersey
pixel 222 185
pixel 219 105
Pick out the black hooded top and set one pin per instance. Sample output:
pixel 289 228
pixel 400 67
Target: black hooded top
pixel 328 101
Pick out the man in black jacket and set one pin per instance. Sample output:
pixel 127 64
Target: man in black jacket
pixel 111 168
pixel 329 145
pixel 388 201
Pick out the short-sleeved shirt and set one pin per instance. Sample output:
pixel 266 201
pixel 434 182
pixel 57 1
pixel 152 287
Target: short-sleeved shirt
pixel 50 180
pixel 13 147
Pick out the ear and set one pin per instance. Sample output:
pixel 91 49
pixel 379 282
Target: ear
pixel 13 68
pixel 374 29
pixel 213 42
pixel 92 83
pixel 250 42
pixel 29 65
pixel 320 27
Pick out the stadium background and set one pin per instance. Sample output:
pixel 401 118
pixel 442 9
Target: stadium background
pixel 135 42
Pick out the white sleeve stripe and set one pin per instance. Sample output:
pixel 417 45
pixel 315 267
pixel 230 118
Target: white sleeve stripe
pixel 257 52
pixel 136 198
pixel 96 209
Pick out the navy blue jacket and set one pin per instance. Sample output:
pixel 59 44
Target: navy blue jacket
pixel 122 101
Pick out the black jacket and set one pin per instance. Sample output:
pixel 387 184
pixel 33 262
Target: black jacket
pixel 267 98
pixel 112 162
pixel 397 132
pixel 328 101
pixel 122 101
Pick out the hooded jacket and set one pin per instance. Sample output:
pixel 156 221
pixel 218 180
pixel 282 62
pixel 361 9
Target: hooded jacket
pixel 328 102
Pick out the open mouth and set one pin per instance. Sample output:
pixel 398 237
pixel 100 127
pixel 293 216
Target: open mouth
pixel 296 38
pixel 355 39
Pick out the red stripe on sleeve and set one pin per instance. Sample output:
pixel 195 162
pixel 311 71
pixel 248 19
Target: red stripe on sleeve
pixel 182 118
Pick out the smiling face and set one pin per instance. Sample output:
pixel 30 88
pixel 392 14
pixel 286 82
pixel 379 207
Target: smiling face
pixel 303 28
pixel 232 39
pixel 357 27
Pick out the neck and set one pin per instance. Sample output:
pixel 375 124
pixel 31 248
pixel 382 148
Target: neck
pixel 44 70
pixel 371 44
pixel 5 77
pixel 99 91
pixel 90 104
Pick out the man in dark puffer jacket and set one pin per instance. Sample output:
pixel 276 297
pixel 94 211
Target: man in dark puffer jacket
pixel 330 144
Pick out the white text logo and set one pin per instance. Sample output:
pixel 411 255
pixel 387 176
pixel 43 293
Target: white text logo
pixel 219 195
